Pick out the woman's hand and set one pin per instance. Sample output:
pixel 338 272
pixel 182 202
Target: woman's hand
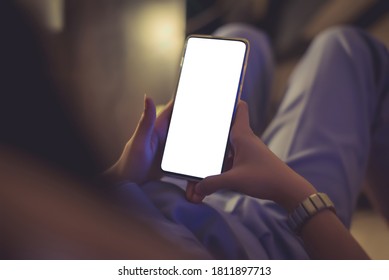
pixel 141 156
pixel 255 171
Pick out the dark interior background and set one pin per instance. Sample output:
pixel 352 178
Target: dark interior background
pixel 104 55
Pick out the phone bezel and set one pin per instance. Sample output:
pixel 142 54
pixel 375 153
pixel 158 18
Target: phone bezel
pixel 237 98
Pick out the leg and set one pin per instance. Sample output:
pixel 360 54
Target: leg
pixel 377 175
pixel 257 82
pixel 322 128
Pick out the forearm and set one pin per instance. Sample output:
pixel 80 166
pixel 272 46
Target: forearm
pixel 325 237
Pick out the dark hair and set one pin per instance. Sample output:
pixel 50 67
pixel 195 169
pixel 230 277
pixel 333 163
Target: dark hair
pixel 32 118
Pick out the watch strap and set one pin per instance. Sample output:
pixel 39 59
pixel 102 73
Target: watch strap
pixel 308 208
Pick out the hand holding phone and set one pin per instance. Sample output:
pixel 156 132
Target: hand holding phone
pixel 209 86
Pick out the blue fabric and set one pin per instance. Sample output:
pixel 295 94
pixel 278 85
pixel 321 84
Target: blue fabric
pixel 227 225
pixel 322 131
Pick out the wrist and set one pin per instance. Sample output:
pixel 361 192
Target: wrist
pixel 299 190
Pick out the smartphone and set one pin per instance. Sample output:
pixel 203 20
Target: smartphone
pixel 209 86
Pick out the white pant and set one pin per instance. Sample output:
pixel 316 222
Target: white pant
pixel 336 108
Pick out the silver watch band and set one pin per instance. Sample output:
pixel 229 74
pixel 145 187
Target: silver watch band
pixel 309 208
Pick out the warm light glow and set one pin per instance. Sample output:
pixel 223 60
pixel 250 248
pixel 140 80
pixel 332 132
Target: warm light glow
pixel 159 27
pixel 155 37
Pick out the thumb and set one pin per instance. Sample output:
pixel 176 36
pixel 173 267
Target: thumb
pixel 145 126
pixel 162 121
pixel 214 183
pixel 241 122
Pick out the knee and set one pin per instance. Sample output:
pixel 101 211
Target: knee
pixel 256 37
pixel 240 30
pixel 345 38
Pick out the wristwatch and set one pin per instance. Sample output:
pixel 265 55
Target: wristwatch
pixel 309 208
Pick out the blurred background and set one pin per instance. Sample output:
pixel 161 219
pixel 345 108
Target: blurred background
pixel 104 55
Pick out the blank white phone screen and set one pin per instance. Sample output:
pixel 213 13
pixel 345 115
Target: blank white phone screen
pixel 204 105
